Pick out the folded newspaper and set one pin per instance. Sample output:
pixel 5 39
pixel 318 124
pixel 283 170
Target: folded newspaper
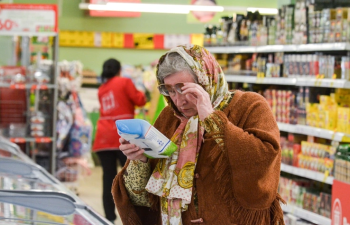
pixel 144 135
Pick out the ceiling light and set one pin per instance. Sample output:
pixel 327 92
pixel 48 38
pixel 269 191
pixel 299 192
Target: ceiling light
pixel 271 11
pixel 154 8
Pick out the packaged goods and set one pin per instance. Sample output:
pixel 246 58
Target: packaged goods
pixel 306 194
pixel 144 135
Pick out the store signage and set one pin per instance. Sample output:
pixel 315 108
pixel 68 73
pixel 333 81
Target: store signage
pixel 127 40
pixel 173 40
pixel 97 13
pixel 340 203
pixel 28 18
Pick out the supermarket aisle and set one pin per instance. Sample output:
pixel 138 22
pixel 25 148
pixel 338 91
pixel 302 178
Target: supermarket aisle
pixel 90 191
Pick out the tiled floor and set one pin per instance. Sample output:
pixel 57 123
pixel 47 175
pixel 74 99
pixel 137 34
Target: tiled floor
pixel 90 191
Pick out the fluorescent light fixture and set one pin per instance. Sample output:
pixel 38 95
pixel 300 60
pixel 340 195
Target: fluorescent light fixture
pixel 271 11
pixel 152 8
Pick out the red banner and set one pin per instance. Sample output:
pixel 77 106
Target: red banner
pixel 340 203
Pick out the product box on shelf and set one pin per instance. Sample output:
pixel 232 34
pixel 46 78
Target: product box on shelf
pixel 306 194
pixel 342 163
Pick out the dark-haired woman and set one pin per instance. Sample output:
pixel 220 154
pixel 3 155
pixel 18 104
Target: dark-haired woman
pixel 118 98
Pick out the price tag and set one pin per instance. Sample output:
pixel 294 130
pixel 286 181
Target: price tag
pixel 345 138
pixel 117 40
pixel 18 86
pixel 64 36
pixel 18 140
pixel 144 41
pixel 106 39
pixel 43 140
pixel 197 39
pixel 173 40
pixel 318 81
pixel 326 175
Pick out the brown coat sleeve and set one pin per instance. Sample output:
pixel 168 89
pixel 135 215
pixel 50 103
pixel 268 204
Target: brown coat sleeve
pixel 252 149
pixel 130 214
pixel 138 215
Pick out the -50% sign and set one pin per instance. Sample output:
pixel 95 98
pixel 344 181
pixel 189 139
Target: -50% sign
pixel 7 24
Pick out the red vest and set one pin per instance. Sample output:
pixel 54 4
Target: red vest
pixel 117 97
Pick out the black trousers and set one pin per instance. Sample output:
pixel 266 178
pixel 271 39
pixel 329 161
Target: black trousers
pixel 108 160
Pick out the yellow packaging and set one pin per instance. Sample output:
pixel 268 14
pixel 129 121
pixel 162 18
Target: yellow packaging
pixel 342 91
pixel 333 101
pixel 325 100
pixel 331 118
pixel 321 118
pixel 343 119
pixel 312 114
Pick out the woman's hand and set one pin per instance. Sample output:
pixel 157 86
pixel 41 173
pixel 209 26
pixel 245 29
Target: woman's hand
pixel 196 94
pixel 132 151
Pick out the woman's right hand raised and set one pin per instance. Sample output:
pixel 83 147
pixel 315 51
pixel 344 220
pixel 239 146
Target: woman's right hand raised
pixel 132 151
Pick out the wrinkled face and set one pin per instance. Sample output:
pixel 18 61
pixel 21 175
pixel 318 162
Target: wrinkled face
pixel 186 107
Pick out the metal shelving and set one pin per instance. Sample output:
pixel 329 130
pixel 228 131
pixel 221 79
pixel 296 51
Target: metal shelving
pixel 313 175
pixel 281 48
pixel 298 81
pixel 28 86
pixel 262 80
pixel 306 215
pixel 53 86
pixel 314 131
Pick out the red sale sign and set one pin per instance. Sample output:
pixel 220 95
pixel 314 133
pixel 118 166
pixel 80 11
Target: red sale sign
pixel 340 203
pixel 28 18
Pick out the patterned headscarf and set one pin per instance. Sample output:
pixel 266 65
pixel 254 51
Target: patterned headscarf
pixel 172 179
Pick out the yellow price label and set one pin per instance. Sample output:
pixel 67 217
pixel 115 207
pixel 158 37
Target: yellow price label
pixel 345 139
pixel 117 40
pixel 197 39
pixel 318 81
pixel 63 40
pixel 106 39
pixel 144 41
pixel 326 175
pixel 85 38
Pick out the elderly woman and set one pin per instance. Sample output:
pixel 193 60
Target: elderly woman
pixel 227 165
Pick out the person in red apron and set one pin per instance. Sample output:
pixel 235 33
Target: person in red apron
pixel 118 98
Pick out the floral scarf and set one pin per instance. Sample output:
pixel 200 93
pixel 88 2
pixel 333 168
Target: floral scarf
pixel 172 179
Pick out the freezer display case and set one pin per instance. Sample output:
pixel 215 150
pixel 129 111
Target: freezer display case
pixel 19 175
pixel 39 208
pixel 11 150
pixel 30 195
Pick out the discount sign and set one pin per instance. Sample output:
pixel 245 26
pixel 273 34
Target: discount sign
pixel 27 18
pixel 340 203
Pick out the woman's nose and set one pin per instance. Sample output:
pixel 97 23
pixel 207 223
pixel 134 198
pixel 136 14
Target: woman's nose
pixel 180 98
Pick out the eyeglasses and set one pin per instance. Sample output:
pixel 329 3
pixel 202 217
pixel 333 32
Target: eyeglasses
pixel 169 90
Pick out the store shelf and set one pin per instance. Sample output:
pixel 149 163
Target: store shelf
pixel 30 34
pixel 306 215
pixel 27 86
pixel 299 81
pixel 281 48
pixel 263 80
pixel 286 127
pixel 328 83
pixel 313 175
pixel 314 131
pixel 31 139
